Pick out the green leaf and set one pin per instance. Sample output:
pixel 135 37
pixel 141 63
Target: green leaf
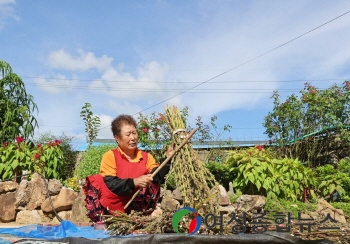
pixel 284 168
pixel 14 164
pixel 251 178
pixel 258 185
pixel 296 185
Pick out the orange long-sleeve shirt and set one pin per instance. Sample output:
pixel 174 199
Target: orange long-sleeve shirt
pixel 109 167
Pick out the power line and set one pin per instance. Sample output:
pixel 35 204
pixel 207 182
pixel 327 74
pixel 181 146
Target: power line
pixel 263 54
pixel 192 70
pixel 177 82
pixel 207 90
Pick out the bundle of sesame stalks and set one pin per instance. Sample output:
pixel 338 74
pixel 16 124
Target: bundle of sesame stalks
pixel 138 223
pixel 197 185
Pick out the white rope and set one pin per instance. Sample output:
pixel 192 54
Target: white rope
pixel 179 130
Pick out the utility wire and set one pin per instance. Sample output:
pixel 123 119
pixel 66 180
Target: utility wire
pixel 212 90
pixel 198 70
pixel 263 54
pixel 174 82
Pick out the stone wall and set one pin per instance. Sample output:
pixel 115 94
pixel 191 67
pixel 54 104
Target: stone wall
pixel 40 201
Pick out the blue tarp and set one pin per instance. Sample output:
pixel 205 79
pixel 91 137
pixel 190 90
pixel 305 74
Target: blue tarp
pixel 68 232
pixel 65 229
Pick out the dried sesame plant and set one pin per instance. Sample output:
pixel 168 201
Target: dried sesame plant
pixel 197 185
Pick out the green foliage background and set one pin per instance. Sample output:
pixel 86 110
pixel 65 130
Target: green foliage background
pixel 69 154
pixel 90 162
pixel 313 127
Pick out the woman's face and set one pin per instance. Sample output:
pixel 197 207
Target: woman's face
pixel 128 138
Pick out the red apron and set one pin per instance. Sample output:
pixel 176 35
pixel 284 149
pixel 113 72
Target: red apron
pixel 125 169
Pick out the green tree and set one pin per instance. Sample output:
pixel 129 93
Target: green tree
pixel 313 127
pixel 16 106
pixel 92 123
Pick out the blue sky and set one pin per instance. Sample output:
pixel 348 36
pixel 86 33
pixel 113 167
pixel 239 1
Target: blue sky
pixel 128 56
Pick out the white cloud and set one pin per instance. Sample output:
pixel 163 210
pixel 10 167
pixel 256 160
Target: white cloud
pixel 61 59
pixel 226 39
pixel 105 128
pixel 226 43
pixel 122 107
pixel 106 120
pixel 7 11
pixel 150 81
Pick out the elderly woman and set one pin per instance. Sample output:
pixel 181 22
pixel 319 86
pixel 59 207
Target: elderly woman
pixel 123 171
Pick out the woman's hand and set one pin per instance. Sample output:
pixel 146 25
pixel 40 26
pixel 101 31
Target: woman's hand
pixel 143 181
pixel 170 151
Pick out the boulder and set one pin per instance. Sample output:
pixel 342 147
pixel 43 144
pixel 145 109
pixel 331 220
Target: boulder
pixel 177 195
pixel 54 187
pixel 46 217
pixel 7 207
pixel 166 193
pixel 248 203
pixel 325 208
pixel 230 192
pixel 8 186
pixel 28 217
pixel 22 195
pixel 79 212
pixel 224 198
pixel 61 202
pixel 64 215
pixel 169 204
pixel 36 191
pixel 227 209
pixel 157 212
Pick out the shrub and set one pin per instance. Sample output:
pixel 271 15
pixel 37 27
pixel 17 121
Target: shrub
pixel 20 156
pixel 259 173
pixel 90 163
pixel 69 154
pixel 334 180
pixel 222 173
pixel 344 167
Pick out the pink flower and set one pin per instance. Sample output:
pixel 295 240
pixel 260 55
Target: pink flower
pixel 145 130
pixel 19 139
pixel 58 142
pixel 5 144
